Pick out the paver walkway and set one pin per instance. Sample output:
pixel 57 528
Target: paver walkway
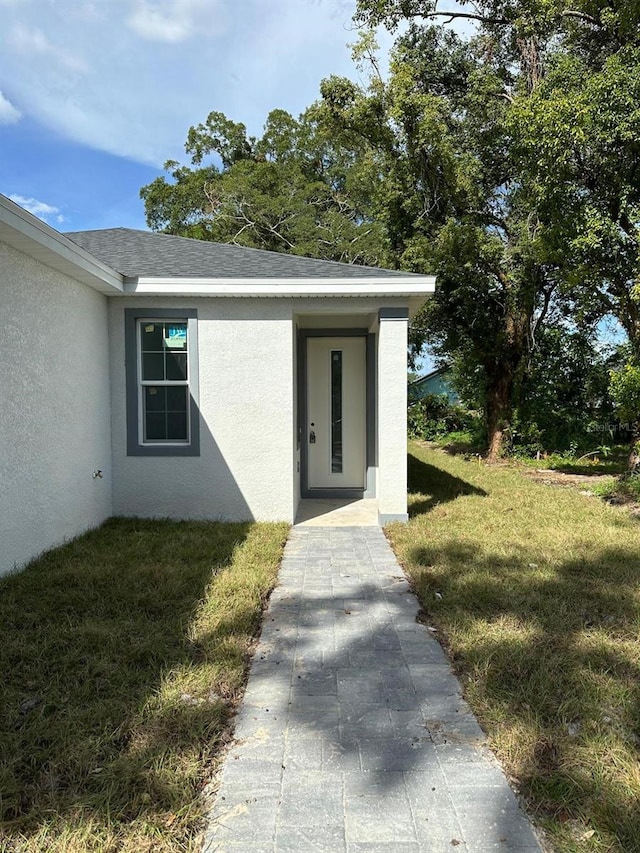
pixel 353 735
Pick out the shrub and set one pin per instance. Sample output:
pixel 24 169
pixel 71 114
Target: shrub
pixel 434 417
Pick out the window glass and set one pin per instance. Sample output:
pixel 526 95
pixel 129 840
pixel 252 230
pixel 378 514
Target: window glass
pixel 175 336
pixel 176 426
pixel 164 386
pixel 152 337
pixel 176 398
pixel 176 366
pixel 153 366
pixel 336 411
pixel 155 398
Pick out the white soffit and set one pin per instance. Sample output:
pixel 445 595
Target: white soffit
pixel 37 240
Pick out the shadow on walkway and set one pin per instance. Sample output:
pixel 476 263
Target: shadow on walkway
pixel 353 733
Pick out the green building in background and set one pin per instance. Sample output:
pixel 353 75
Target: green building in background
pixel 437 382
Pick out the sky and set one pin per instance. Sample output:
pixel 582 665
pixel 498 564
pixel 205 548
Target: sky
pixel 95 95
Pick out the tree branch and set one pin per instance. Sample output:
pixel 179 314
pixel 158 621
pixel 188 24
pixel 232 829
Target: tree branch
pixel 536 322
pixel 489 218
pixel 580 16
pixel 629 228
pixel 476 16
pixel 469 16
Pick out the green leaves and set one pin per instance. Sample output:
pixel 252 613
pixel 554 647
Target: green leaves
pixel 221 136
pixel 625 390
pixel 291 190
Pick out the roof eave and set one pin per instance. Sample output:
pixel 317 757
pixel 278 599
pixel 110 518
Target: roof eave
pixel 411 287
pixel 33 237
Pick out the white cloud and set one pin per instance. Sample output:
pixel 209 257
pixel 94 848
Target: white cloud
pixel 129 77
pixel 33 42
pixel 174 20
pixel 8 113
pixel 40 209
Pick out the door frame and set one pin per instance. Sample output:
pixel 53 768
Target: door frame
pixel 369 491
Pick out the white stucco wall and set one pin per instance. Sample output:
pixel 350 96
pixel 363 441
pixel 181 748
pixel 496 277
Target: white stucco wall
pixel 247 468
pixel 296 447
pixel 54 409
pixel 392 420
pixel 246 465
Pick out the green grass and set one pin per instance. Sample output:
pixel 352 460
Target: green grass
pixel 122 656
pixel 462 442
pixel 540 611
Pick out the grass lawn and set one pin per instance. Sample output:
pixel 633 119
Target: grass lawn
pixel 122 655
pixel 595 463
pixel 536 592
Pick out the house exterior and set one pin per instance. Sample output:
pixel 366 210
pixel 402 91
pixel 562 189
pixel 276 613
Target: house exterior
pixel 437 382
pixel 126 352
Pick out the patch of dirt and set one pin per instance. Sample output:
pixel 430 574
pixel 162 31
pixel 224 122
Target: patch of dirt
pixel 583 482
pixel 560 478
pixel 627 502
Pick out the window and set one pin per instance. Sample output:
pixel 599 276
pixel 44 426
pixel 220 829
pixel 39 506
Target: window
pixel 336 411
pixel 162 382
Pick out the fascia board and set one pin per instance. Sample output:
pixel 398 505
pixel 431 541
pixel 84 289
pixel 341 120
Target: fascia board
pixel 35 238
pixel 410 286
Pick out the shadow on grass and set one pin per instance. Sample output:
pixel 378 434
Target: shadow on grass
pixel 551 654
pixel 89 635
pixel 609 466
pixel 434 486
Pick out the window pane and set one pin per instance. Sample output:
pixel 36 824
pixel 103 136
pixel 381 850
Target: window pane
pixel 175 336
pixel 153 367
pixel 177 396
pixel 336 412
pixel 176 365
pixel 151 337
pixel 155 426
pixel 164 359
pixel 165 413
pixel 155 399
pixel 177 426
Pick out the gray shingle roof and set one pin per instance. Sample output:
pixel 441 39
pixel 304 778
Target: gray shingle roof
pixel 145 254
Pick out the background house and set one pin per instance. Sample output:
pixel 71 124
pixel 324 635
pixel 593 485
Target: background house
pixel 126 352
pixel 437 382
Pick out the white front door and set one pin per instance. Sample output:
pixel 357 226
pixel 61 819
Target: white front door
pixel 336 413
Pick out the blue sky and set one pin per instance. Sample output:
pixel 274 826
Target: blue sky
pixel 96 96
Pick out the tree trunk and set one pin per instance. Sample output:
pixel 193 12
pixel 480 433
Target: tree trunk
pixel 633 460
pixel 498 410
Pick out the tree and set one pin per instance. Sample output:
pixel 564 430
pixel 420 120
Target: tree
pixel 451 203
pixel 292 190
pixel 568 78
pixel 579 144
pixel 564 400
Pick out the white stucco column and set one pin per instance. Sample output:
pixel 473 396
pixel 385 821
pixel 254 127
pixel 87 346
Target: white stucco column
pixel 392 414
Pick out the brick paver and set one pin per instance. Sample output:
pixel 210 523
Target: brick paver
pixel 353 736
